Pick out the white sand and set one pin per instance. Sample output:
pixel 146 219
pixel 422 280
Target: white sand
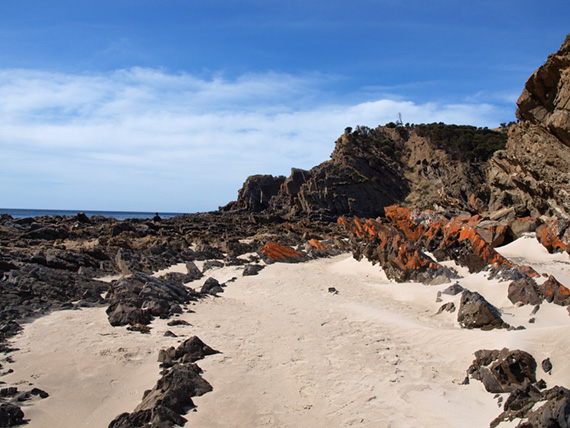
pixel 293 354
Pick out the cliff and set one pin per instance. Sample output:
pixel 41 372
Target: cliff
pixel 449 168
pixel 531 177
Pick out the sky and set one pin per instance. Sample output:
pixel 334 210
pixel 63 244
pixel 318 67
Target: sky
pixel 169 105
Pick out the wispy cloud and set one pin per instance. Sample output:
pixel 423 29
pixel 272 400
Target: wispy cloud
pixel 149 139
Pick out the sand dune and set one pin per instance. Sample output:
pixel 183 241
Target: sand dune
pixel 294 355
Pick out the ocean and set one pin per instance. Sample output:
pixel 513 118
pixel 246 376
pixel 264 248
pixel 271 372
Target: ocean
pixel 119 215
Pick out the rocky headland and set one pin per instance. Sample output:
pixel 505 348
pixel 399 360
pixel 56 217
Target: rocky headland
pixel 408 197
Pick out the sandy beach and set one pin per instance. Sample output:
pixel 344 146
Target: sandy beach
pixel 293 354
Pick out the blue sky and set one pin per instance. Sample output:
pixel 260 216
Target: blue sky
pixel 169 105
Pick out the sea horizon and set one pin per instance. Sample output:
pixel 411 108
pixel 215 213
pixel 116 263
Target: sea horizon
pixel 119 215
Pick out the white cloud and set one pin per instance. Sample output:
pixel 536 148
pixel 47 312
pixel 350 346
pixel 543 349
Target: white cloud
pixel 147 139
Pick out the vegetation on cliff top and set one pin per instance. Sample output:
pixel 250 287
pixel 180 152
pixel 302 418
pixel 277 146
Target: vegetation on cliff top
pixel 460 142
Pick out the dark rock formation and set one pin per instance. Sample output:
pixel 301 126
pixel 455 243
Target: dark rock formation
pixel 11 415
pixel 476 312
pixel 212 287
pixel 370 169
pixel 138 298
pixel 257 191
pixel 400 259
pixel 553 410
pixel 531 176
pixel 181 380
pixel 504 370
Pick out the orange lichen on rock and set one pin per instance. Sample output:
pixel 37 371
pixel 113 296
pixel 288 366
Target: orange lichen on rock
pixel 549 235
pixel 315 243
pixel 555 292
pixel 398 256
pixel 433 233
pixel 278 252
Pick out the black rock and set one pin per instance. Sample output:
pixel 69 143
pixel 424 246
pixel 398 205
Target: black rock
pixel 547 366
pixel 476 312
pixel 211 286
pixel 250 270
pixel 10 415
pixel 453 290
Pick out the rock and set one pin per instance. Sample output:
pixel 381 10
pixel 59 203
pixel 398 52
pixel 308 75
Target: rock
pixel 453 290
pixel 212 287
pixel 538 409
pixel 531 175
pixel 546 365
pixel 504 370
pixel 555 235
pixel 176 322
pixel 250 270
pixel 554 292
pixel 140 297
pixel 42 394
pixel 518 227
pixel 398 256
pixel 525 291
pixel 546 97
pixel 212 264
pixel 448 307
pixel 273 252
pixel 11 415
pixel 257 191
pixel 476 312
pixel 141 328
pixel 172 395
pixel 333 290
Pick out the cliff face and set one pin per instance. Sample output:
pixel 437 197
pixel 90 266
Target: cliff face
pixel 441 167
pixel 370 169
pixel 532 176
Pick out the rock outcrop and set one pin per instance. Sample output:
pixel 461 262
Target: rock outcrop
pixel 504 370
pixel 532 175
pixel 369 169
pixel 164 405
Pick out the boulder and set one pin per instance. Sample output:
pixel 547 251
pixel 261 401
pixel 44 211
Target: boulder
pixel 11 415
pixel 504 370
pixel 212 287
pixel 476 312
pixel 273 252
pixel 140 297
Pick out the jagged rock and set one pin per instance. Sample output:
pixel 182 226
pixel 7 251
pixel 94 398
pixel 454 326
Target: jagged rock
pixel 525 291
pixel 140 297
pixel 518 227
pixel 531 176
pixel 546 365
pixel 256 193
pixel 537 409
pixel 504 370
pixel 454 238
pixel 11 415
pixel 555 235
pixel 399 258
pixel 211 286
pixel 212 264
pixel 191 350
pixel 476 312
pixel 172 395
pixel 250 270
pixel 453 290
pixel 273 252
pixel 448 307
pixel 545 99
